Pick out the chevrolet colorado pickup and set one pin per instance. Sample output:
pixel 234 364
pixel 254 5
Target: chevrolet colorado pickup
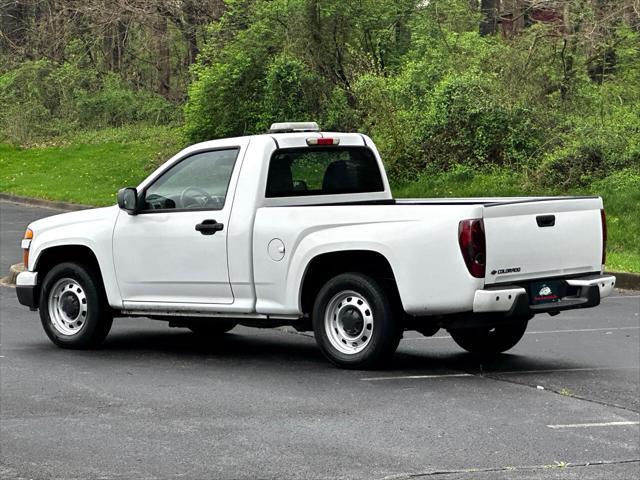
pixel 298 227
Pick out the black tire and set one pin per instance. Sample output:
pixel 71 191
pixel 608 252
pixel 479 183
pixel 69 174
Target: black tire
pixel 489 340
pixel 385 330
pixel 211 327
pixel 95 316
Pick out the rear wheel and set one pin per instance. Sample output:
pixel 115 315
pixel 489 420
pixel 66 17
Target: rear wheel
pixel 490 340
pixel 353 322
pixel 73 307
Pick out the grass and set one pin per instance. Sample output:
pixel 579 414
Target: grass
pixel 89 168
pixel 620 192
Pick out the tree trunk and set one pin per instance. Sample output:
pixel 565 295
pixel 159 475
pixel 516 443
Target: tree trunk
pixel 164 56
pixel 489 24
pixel 12 25
pixel 119 41
pixel 192 43
pixel 517 10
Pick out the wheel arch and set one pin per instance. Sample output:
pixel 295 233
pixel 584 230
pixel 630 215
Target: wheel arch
pixel 78 253
pixel 327 265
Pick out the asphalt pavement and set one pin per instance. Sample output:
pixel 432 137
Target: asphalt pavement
pixel 157 402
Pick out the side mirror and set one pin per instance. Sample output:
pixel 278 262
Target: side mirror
pixel 128 200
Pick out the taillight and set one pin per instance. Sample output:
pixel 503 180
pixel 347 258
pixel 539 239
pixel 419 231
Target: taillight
pixel 603 219
pixel 473 245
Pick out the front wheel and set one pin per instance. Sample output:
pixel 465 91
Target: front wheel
pixel 353 322
pixel 490 340
pixel 73 308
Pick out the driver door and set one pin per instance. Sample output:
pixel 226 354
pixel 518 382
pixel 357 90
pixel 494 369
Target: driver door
pixel 174 250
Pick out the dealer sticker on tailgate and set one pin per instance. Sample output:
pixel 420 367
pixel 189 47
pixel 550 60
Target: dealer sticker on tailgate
pixel 545 292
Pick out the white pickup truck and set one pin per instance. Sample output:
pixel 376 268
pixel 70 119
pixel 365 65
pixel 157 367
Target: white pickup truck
pixel 298 227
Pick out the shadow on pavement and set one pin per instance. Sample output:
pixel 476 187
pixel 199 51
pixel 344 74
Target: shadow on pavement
pixel 274 347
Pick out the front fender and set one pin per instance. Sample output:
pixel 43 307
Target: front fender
pixel 92 229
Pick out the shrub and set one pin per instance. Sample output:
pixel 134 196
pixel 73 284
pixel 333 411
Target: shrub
pixel 292 92
pixel 42 98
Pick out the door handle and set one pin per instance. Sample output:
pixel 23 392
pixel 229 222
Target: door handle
pixel 546 220
pixel 209 227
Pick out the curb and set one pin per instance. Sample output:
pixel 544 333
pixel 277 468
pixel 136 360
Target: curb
pixel 630 281
pixel 14 270
pixel 38 202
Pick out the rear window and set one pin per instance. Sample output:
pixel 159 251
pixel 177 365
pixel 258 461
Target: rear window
pixel 323 171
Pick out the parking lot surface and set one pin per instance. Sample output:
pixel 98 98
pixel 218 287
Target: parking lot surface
pixel 157 402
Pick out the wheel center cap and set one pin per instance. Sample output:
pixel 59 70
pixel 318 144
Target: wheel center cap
pixel 70 305
pixel 352 321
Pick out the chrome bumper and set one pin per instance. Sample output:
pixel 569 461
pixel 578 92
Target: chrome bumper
pixel 515 300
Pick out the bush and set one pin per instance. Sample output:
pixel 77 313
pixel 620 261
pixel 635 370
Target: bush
pixel 115 105
pixel 41 99
pixel 466 124
pixel 292 92
pixel 225 99
pixel 595 144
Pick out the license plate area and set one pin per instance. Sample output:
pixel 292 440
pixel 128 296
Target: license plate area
pixel 550 291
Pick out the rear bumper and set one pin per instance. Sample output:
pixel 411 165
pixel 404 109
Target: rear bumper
pixel 28 290
pixel 585 292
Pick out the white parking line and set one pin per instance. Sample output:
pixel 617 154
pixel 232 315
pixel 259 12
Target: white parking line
pixel 542 332
pixel 587 425
pixel 551 370
pixel 441 337
pixel 582 330
pixel 414 377
pixel 484 374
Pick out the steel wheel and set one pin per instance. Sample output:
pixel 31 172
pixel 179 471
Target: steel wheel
pixel 353 321
pixel 74 310
pixel 348 322
pixel 67 306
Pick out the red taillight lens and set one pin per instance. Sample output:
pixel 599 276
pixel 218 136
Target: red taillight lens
pixel 473 245
pixel 323 141
pixel 603 219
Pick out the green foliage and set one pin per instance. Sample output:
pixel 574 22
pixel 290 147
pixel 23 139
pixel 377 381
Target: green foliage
pixel 114 104
pixel 40 99
pixel 291 91
pixel 227 95
pixel 621 194
pixel 426 86
pixel 291 59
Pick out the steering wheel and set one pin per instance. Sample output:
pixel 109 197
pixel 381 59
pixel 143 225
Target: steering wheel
pixel 187 200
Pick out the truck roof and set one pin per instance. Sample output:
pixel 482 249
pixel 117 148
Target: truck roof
pixel 295 134
pixel 288 140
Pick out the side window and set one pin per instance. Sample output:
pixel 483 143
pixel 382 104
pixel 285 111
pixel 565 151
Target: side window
pixel 323 171
pixel 200 181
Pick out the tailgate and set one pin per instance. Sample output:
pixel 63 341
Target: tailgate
pixel 542 238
